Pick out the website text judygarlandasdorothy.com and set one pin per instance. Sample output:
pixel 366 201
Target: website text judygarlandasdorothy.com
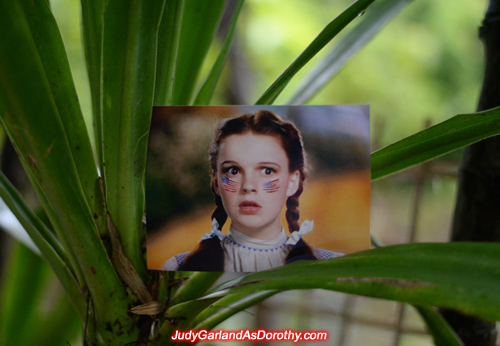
pixel 243 335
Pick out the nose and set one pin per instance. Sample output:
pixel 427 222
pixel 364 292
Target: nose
pixel 248 184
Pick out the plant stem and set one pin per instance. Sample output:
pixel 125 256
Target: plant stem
pixel 476 214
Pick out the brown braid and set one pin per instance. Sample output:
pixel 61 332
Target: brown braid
pixel 300 250
pixel 292 210
pixel 208 248
pixel 219 213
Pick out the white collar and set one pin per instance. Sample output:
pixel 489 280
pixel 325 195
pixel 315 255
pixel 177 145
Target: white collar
pixel 245 240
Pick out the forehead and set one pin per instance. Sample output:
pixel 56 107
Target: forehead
pixel 252 147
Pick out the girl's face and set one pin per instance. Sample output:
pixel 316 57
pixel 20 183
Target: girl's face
pixel 254 182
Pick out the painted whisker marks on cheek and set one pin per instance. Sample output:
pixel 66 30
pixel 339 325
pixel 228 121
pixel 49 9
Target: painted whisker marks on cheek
pixel 272 185
pixel 229 185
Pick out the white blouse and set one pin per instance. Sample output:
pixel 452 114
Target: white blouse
pixel 247 254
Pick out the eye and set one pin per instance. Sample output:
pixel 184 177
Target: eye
pixel 231 170
pixel 268 170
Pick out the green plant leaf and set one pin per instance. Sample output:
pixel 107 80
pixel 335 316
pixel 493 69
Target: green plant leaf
pixel 438 327
pixel 29 110
pixel 43 238
pixel 227 307
pixel 325 36
pixel 207 90
pixel 179 317
pixel 420 274
pixel 128 77
pixel 194 287
pixel 25 278
pixel 200 20
pixel 36 109
pixel 52 54
pixel 33 307
pixel 58 325
pixel 373 21
pixel 184 306
pixel 36 229
pixel 168 48
pixel 452 134
pixel 92 17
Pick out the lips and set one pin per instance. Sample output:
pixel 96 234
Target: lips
pixel 249 207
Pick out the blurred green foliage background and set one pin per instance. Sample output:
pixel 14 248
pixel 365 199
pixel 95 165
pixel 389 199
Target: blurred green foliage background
pixel 425 64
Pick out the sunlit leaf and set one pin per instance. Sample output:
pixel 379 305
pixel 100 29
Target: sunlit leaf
pixel 207 90
pixel 128 77
pixel 452 134
pixel 325 36
pixel 199 23
pixel 372 22
pixel 92 17
pixel 168 48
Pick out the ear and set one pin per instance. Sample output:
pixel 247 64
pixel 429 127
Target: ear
pixel 293 184
pixel 215 183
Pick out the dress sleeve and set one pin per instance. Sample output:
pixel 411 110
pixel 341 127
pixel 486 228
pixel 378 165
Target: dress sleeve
pixel 171 264
pixel 323 254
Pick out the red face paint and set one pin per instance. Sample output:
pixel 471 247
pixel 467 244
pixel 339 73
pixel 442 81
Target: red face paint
pixel 272 185
pixel 229 185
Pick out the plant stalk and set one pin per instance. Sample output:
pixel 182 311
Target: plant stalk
pixel 476 215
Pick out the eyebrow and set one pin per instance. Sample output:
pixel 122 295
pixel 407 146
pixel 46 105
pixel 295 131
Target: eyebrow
pixel 231 162
pixel 228 162
pixel 269 163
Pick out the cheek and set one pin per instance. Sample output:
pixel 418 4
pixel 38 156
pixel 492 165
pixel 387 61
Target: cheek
pixel 271 186
pixel 229 185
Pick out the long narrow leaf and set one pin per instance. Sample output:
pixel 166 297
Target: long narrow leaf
pixel 10 225
pixel 25 278
pixel 421 274
pixel 200 20
pixel 168 48
pixel 31 223
pixel 227 307
pixel 195 286
pixel 92 17
pixel 128 76
pixel 35 112
pixel 58 325
pixel 373 21
pixel 44 240
pixel 38 28
pixel 207 90
pixel 31 118
pixel 438 327
pixel 452 134
pixel 35 310
pixel 51 51
pixel 325 36
pixel 179 317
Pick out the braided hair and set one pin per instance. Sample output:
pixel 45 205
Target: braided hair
pixel 264 123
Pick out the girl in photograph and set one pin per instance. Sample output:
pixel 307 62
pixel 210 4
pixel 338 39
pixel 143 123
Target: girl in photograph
pixel 258 167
